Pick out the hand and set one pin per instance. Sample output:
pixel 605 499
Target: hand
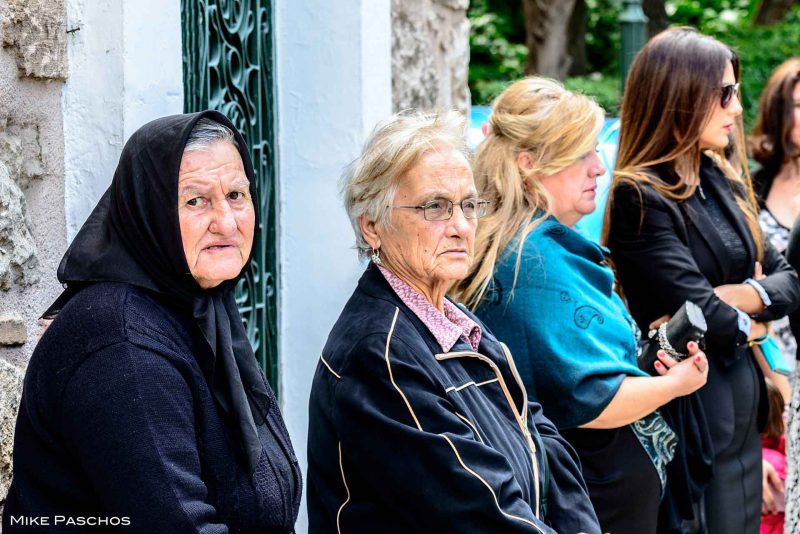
pixel 757 330
pixel 658 322
pixel 688 375
pixel 769 480
pixel 743 297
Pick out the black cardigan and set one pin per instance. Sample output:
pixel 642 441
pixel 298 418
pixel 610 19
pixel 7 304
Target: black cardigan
pixel 404 439
pixel 117 420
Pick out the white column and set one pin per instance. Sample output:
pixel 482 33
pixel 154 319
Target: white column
pixel 334 83
pixel 124 70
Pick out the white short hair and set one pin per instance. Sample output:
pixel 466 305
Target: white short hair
pixel 205 133
pixel 369 183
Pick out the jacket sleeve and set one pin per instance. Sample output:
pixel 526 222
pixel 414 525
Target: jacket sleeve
pixel 127 415
pixel 568 506
pixel 653 263
pixel 400 434
pixel 781 284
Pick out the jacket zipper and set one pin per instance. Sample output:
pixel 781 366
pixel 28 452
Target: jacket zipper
pixel 523 424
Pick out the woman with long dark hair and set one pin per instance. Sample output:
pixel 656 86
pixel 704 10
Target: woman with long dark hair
pixel 683 225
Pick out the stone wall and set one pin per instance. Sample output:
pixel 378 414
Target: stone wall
pixel 430 54
pixel 32 230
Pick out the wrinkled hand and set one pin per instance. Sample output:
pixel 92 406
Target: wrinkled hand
pixel 690 374
pixel 769 481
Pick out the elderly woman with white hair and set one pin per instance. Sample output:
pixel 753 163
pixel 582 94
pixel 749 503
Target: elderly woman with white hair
pixel 419 421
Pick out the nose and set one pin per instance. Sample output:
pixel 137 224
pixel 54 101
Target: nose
pixel 735 107
pixel 223 220
pixel 459 225
pixel 596 167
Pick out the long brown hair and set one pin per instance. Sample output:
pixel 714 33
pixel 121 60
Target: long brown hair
pixel 672 85
pixel 557 128
pixel 775 426
pixel 771 140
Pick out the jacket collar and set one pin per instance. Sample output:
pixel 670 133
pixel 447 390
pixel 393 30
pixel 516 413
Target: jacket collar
pixel 373 283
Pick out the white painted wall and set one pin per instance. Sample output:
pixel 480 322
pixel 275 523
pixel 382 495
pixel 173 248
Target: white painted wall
pixel 334 83
pixel 124 70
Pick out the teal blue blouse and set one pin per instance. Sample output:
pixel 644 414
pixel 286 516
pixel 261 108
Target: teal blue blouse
pixel 572 338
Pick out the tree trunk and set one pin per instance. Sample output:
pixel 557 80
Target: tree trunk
pixel 656 12
pixel 577 39
pixel 772 11
pixel 546 25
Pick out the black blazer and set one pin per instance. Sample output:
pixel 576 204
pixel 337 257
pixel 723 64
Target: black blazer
pixel 668 252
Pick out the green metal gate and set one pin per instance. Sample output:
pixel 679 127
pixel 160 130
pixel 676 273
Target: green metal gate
pixel 228 66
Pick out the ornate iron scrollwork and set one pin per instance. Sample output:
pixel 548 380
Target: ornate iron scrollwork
pixel 227 65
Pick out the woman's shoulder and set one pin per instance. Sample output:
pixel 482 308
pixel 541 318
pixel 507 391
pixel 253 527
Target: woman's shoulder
pixel 110 313
pixel 372 326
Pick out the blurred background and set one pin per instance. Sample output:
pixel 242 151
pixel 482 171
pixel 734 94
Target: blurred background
pixel 579 41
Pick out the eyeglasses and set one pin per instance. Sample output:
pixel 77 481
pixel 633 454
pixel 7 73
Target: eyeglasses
pixel 442 210
pixel 726 93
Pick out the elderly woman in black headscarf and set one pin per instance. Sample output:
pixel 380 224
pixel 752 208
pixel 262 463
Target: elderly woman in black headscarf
pixel 143 404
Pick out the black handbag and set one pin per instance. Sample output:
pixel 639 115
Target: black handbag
pixel 688 324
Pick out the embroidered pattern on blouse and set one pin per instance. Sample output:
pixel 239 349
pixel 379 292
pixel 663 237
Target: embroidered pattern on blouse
pixel 446 327
pixel 658 440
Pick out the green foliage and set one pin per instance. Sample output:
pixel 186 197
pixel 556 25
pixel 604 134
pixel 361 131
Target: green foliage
pixel 761 49
pixel 494 59
pixel 604 89
pixel 498 52
pixel 602 36
pixel 710 16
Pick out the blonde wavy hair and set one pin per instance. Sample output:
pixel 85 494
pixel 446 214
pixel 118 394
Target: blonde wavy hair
pixel 556 127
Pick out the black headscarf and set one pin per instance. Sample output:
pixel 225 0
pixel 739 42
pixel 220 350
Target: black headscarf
pixel 133 236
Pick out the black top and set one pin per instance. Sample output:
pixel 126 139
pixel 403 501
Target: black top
pixel 737 253
pixel 117 420
pixel 405 439
pixel 667 252
pixel 133 236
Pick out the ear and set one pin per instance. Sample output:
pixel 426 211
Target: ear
pixel 525 162
pixel 368 230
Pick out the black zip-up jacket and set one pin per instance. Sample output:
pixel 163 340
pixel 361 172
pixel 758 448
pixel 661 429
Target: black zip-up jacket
pixel 404 438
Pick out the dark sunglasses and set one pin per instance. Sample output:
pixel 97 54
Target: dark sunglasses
pixel 726 93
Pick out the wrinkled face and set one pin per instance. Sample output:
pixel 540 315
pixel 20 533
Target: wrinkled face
pixel 216 213
pixel 573 189
pixel 796 116
pixel 721 120
pixel 430 253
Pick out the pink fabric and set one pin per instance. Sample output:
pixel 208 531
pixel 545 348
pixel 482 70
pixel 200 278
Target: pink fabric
pixel 773 523
pixel 446 327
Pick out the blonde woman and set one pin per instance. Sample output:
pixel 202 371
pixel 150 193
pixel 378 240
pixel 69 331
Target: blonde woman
pixel 547 291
